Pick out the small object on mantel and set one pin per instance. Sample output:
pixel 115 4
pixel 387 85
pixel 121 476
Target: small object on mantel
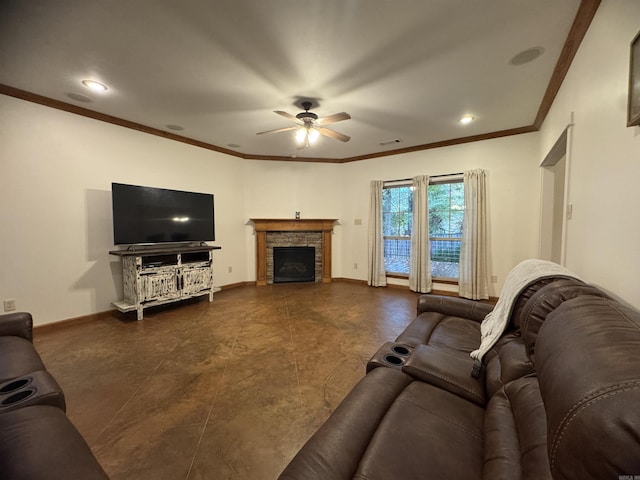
pixel 297 215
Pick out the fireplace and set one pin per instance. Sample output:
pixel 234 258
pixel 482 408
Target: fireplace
pixel 275 233
pixel 294 264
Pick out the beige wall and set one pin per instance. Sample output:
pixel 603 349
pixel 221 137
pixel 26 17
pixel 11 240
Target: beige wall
pixel 603 236
pixel 280 189
pixel 56 176
pixel 512 191
pixel 56 171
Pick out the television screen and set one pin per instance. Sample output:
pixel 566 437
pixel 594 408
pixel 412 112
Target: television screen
pixel 157 215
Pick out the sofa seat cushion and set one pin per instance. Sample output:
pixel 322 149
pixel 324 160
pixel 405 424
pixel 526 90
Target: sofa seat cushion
pixel 515 433
pixel 40 442
pixel 335 450
pixel 447 322
pixel 418 434
pixel 19 357
pixel 442 330
pixel 392 426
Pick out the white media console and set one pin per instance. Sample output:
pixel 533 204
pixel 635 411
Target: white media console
pixel 155 276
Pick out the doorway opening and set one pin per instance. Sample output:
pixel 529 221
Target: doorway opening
pixel 554 211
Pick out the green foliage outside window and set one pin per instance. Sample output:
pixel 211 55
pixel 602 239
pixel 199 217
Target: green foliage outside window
pixel 446 209
pixel 446 213
pixel 397 207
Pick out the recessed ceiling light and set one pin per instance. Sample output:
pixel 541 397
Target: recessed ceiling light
pixel 95 86
pixel 467 119
pixel 390 142
pixel 78 97
pixel 177 128
pixel 233 145
pixel 526 56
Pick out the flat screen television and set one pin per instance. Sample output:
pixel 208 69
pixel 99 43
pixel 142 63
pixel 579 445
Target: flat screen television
pixel 148 215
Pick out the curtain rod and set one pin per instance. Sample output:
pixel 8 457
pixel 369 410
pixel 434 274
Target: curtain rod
pixel 430 176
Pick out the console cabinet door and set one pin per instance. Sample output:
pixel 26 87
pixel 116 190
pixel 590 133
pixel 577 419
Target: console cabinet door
pixel 196 279
pixel 160 286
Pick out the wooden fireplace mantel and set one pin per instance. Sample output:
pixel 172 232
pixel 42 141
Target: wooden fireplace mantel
pixel 264 225
pixel 292 225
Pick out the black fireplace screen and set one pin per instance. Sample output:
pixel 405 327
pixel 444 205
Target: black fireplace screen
pixel 294 264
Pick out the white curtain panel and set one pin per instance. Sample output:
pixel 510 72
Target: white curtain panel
pixel 377 276
pixel 473 252
pixel 419 258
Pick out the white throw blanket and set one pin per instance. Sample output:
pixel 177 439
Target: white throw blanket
pixel 517 280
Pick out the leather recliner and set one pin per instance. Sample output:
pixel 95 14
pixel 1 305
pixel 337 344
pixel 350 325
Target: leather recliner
pixel 37 440
pixel 557 398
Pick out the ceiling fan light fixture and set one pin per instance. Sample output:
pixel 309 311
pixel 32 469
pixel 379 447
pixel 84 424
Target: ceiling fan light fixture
pixel 313 135
pixel 307 135
pixel 309 126
pixel 301 134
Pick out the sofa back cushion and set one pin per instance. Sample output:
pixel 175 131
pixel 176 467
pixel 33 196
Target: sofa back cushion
pixel 506 362
pixel 453 307
pixel 523 298
pixel 545 301
pixel 588 369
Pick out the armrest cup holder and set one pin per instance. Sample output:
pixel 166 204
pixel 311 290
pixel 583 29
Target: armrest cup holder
pixel 36 388
pixel 390 355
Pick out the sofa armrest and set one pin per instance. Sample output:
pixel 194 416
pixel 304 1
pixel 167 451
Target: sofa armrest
pixel 447 369
pixel 18 324
pixel 454 307
pixel 39 442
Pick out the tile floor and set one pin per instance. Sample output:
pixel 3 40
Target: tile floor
pixel 223 390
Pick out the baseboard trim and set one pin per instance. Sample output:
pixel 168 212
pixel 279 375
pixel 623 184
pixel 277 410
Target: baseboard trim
pixel 446 293
pixel 348 280
pixel 71 322
pixel 237 285
pixel 93 317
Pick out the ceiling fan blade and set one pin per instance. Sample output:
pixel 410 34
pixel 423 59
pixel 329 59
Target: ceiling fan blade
pixel 277 130
pixel 336 117
pixel 286 115
pixel 333 134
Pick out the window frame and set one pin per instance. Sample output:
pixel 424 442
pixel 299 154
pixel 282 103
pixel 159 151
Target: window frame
pixel 444 179
pixel 447 179
pixel 390 186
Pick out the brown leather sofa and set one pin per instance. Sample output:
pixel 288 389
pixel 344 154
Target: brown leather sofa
pixel 37 440
pixel 558 396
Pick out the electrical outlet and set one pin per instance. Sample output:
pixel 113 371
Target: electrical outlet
pixel 9 305
pixel 357 221
pixel 230 269
pixel 494 278
pixel 355 266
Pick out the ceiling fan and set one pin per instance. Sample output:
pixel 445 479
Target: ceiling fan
pixel 309 126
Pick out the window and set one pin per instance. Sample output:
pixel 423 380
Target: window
pixel 397 203
pixel 446 212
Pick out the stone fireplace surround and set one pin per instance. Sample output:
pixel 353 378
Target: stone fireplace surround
pixel 272 232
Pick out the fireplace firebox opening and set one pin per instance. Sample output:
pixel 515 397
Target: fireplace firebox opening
pixel 294 264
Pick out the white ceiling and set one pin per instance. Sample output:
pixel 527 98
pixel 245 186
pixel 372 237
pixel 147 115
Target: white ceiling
pixel 406 69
